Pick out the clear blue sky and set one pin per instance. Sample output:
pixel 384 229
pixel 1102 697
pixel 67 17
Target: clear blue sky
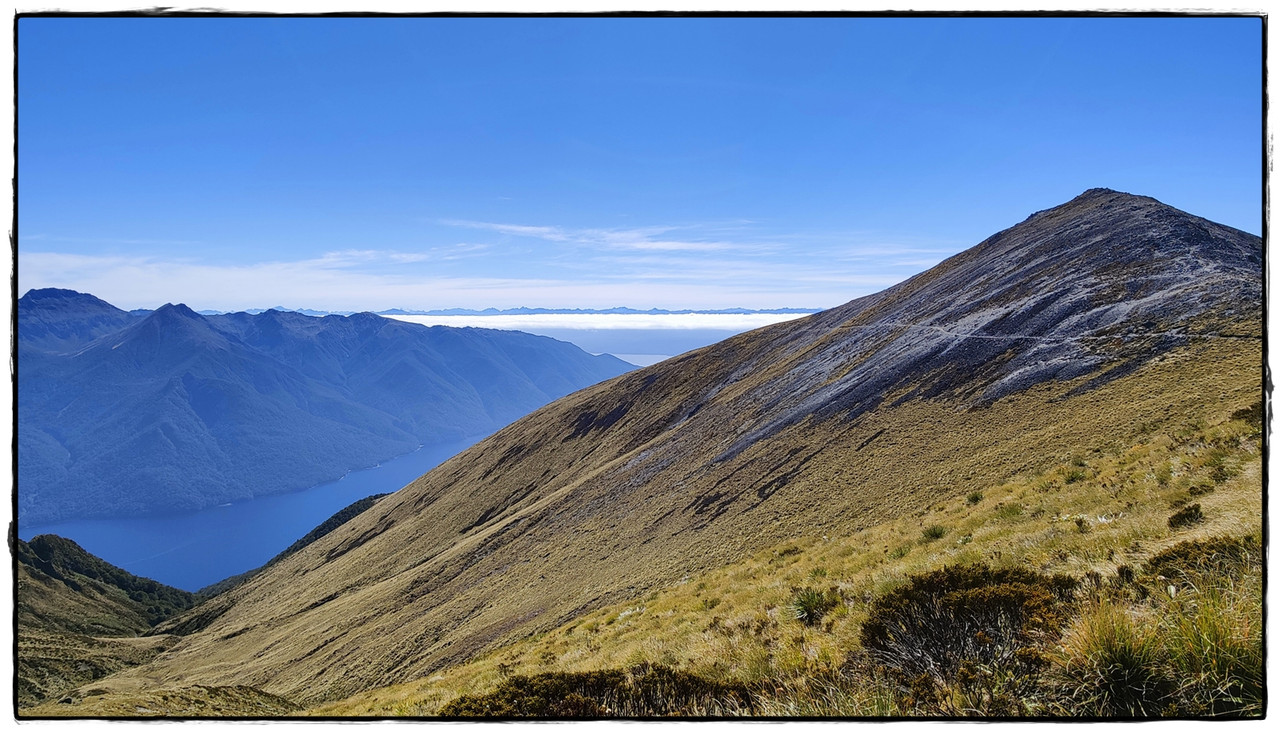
pixel 756 162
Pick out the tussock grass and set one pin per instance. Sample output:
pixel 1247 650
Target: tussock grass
pixel 1126 645
pixel 1191 646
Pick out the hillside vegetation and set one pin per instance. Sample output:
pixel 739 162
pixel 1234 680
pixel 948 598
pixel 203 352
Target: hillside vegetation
pixel 1159 619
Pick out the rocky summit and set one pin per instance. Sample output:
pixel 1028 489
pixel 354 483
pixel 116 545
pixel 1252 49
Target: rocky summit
pixel 1084 325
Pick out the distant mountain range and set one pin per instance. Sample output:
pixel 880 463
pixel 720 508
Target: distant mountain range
pixel 127 413
pixel 539 311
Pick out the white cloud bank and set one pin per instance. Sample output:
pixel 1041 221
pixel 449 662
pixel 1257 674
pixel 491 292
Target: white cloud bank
pixel 730 322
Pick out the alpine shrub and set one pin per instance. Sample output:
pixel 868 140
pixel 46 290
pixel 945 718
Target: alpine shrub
pixel 968 638
pixel 932 533
pixel 1227 556
pixel 642 691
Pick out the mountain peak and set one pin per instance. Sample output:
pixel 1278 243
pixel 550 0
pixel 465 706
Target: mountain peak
pixel 51 293
pixel 1098 192
pixel 62 297
pixel 64 320
pixel 178 310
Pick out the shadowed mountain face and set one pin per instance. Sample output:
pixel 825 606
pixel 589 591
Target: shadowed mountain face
pixel 174 410
pixel 63 321
pixel 1087 323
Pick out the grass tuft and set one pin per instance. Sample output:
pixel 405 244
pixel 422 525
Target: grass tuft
pixel 810 605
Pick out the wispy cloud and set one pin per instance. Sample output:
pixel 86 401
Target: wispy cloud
pixel 349 258
pixel 651 238
pixel 549 233
pixel 339 282
pixel 533 323
pixel 706 265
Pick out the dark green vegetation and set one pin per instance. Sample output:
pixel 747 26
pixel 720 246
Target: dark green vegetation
pixel 810 605
pixel 138 603
pixel 967 639
pixel 126 415
pixel 637 692
pixel 1188 515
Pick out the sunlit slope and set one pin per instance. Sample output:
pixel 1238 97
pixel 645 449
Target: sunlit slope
pixel 1104 510
pixel 1089 323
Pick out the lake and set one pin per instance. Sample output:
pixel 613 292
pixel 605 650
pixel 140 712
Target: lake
pixel 195 549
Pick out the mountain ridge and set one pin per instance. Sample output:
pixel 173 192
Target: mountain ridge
pixel 190 411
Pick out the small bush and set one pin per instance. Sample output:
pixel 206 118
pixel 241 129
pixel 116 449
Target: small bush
pixel 1010 511
pixel 974 497
pixel 1124 575
pixel 1216 465
pixel 968 638
pixel 1188 515
pixel 1251 415
pixel 1074 476
pixel 810 605
pixel 932 533
pixel 900 552
pixel 1191 561
pixel 641 691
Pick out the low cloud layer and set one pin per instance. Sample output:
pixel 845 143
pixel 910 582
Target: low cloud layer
pixel 738 322
pixel 503 265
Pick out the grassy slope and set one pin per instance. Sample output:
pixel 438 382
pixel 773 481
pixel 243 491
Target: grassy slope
pixel 198 701
pixel 735 623
pixel 414 622
pixel 79 618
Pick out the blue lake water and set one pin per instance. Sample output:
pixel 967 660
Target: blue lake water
pixel 192 550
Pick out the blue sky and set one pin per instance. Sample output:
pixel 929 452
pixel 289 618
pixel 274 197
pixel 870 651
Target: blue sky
pixel 353 164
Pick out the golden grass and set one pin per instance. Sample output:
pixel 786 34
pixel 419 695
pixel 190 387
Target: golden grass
pixel 1096 510
pixel 536 551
